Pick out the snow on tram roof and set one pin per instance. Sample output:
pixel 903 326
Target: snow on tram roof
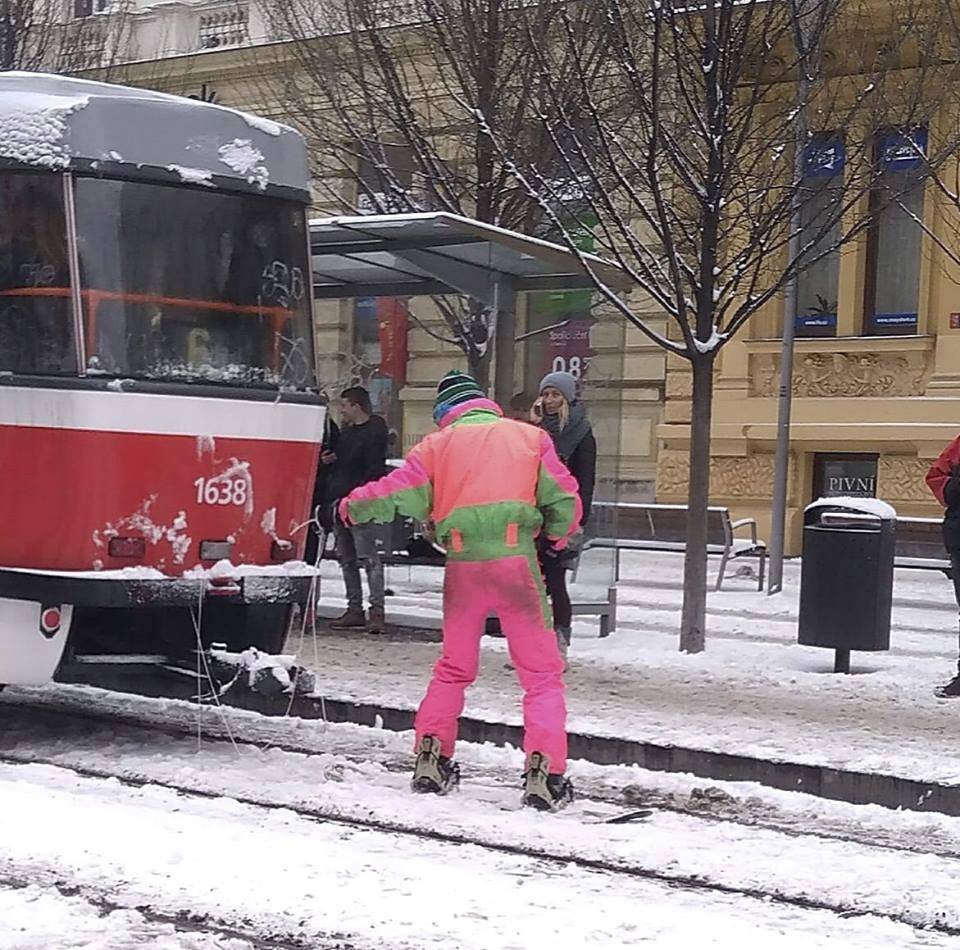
pixel 59 122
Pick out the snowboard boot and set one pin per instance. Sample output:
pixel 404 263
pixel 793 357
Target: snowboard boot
pixel 434 773
pixel 544 791
pixel 350 619
pixel 378 621
pixel 951 690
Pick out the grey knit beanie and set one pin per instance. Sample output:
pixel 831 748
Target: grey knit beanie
pixel 562 381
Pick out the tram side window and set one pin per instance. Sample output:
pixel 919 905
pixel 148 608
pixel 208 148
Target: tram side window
pixel 36 322
pixel 188 285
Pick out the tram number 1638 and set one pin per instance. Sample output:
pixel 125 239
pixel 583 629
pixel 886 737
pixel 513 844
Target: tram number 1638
pixel 221 491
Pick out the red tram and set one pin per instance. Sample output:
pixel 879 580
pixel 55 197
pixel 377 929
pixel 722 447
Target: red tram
pixel 159 417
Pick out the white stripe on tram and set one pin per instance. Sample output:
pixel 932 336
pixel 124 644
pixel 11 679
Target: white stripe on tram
pixel 151 414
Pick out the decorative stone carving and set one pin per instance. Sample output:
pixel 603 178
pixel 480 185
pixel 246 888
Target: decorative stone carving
pixel 902 479
pixel 750 477
pixel 844 374
pixel 673 473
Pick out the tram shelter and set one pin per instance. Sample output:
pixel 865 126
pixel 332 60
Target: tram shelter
pixel 438 254
pixel 560 323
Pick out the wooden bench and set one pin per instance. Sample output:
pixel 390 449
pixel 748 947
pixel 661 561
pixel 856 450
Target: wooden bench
pixel 919 545
pixel 642 527
pixel 918 542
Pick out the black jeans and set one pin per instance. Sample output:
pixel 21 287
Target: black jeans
pixel 955 574
pixel 555 578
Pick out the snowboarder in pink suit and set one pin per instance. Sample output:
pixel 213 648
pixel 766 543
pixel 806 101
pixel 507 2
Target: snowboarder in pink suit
pixel 490 485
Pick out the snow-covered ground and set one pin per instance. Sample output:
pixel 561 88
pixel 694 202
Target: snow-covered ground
pixel 754 691
pixel 135 858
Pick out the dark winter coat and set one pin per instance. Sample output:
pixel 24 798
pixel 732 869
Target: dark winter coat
pixel 943 479
pixel 361 457
pixel 580 458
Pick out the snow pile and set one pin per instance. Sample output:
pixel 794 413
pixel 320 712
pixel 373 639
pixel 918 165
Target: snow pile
pixel 261 672
pixel 864 506
pixel 193 176
pixel 226 569
pixel 206 445
pixel 141 523
pixel 33 127
pixel 242 157
pixel 267 126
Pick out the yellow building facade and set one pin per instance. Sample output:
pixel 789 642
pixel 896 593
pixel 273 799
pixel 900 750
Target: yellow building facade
pixel 876 379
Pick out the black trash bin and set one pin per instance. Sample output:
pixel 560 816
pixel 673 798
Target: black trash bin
pixel 846 577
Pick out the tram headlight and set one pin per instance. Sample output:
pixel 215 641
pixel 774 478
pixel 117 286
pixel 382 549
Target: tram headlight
pixel 215 550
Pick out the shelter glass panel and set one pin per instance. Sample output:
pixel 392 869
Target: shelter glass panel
pixel 36 313
pixel 191 286
pixel 568 331
pixel 384 185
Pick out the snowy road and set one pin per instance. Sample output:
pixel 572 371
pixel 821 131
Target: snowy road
pixel 318 884
pixel 281 878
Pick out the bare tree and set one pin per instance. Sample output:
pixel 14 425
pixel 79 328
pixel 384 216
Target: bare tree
pixel 686 150
pixel 46 35
pixel 393 95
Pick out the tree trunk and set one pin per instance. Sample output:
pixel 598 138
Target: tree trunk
pixel 478 366
pixel 693 619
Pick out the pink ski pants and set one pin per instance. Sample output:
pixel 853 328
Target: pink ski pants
pixel 511 588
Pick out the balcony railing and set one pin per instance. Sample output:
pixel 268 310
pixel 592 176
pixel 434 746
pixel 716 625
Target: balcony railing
pixel 227 27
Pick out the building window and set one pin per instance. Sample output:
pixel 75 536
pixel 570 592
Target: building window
pixel 895 237
pixel 820 195
pixel 82 8
pixel 385 180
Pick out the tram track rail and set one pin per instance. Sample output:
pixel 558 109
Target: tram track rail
pixel 633 796
pixel 186 921
pixel 547 856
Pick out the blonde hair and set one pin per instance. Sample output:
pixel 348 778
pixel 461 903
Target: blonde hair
pixel 564 413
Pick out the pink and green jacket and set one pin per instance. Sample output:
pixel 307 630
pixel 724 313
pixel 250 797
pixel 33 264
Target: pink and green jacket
pixel 489 484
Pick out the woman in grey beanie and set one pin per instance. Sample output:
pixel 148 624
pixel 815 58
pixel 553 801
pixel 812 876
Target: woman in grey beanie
pixel 561 414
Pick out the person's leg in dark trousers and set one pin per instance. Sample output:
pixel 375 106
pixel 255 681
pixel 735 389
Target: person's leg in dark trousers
pixel 350 567
pixel 955 573
pixel 952 689
pixel 555 580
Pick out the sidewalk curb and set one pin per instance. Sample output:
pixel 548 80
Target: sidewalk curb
pixel 858 788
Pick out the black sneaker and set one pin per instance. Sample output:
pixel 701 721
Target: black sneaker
pixel 434 773
pixel 544 791
pixel 951 690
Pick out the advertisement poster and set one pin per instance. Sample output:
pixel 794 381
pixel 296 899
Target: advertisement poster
pixel 392 328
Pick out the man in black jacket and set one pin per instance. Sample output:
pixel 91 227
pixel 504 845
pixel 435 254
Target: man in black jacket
pixel 360 458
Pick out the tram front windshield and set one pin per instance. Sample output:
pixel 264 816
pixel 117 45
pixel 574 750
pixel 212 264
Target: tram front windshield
pixel 176 284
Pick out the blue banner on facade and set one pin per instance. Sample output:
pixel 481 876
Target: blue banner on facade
pixel 815 321
pixel 901 151
pixel 824 157
pixel 894 324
